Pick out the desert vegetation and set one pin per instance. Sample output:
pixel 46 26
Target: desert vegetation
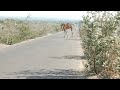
pixel 100 35
pixel 15 30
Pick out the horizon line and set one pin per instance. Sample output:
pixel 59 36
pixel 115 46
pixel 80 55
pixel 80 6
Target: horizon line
pixel 40 18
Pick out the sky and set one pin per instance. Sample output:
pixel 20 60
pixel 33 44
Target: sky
pixel 69 15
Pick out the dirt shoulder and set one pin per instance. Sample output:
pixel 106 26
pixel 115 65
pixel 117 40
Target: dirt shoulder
pixel 3 45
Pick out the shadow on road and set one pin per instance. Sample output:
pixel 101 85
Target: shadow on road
pixel 73 39
pixel 51 74
pixel 75 57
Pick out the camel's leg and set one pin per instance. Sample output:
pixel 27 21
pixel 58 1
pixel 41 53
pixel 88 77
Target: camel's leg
pixel 64 33
pixel 67 33
pixel 72 32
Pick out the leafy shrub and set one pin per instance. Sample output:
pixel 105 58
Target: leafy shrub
pixel 101 43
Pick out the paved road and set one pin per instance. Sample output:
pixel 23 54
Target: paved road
pixel 49 57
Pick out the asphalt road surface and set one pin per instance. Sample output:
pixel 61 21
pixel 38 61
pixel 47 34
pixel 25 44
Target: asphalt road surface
pixel 49 57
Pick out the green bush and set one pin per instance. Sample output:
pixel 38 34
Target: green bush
pixel 101 43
